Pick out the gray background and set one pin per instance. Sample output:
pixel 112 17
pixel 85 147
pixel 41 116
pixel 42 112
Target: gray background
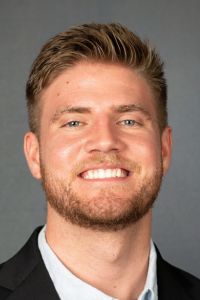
pixel 173 26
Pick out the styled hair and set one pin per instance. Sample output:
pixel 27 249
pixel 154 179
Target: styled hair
pixel 109 43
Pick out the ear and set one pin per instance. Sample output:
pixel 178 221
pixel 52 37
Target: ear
pixel 166 141
pixel 32 153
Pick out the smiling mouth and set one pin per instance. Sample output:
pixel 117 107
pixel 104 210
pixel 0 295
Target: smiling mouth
pixel 104 174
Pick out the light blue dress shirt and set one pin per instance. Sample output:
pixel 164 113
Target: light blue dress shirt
pixel 70 287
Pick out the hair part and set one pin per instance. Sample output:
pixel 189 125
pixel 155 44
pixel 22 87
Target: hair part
pixel 109 43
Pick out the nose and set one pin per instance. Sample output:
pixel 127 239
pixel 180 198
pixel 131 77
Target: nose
pixel 104 138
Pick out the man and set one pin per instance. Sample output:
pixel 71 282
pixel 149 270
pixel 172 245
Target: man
pixel 100 144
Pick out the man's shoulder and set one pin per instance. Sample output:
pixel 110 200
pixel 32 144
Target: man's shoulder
pixel 24 276
pixel 4 292
pixel 175 281
pixel 182 274
pixel 27 254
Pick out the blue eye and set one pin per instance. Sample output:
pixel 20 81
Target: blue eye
pixel 129 122
pixel 73 124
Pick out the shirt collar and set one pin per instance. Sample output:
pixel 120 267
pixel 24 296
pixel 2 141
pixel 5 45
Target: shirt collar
pixel 68 286
pixel 150 291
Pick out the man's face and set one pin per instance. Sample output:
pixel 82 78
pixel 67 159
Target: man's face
pixel 101 155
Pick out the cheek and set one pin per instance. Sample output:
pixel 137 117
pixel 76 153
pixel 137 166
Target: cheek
pixel 147 152
pixel 59 154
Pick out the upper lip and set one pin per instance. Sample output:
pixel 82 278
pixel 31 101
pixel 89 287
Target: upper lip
pixel 104 166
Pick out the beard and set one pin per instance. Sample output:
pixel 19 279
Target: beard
pixel 108 209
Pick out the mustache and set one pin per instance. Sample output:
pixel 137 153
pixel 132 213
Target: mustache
pixel 110 159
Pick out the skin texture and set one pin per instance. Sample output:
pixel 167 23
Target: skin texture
pixel 100 234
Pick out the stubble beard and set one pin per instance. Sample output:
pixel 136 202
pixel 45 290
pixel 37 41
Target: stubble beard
pixel 106 211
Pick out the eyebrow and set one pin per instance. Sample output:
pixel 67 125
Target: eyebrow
pixel 131 108
pixel 70 109
pixel 87 110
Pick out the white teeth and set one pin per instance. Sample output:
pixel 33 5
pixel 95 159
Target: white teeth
pixel 109 173
pixel 118 172
pixel 102 173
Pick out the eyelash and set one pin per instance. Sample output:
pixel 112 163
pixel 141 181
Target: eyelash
pixel 68 123
pixel 130 125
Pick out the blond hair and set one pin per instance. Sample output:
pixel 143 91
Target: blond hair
pixel 112 43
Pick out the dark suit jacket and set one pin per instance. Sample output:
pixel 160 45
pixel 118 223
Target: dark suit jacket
pixel 24 276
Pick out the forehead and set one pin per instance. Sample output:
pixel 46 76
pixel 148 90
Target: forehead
pixel 99 86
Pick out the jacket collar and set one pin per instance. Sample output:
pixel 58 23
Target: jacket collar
pixel 25 274
pixel 171 282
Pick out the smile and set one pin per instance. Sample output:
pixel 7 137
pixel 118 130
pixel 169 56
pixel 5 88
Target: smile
pixel 104 173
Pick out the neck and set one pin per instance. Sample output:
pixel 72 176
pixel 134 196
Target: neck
pixel 113 262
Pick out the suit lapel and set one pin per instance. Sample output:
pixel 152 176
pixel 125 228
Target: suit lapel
pixel 26 276
pixel 37 286
pixel 171 284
